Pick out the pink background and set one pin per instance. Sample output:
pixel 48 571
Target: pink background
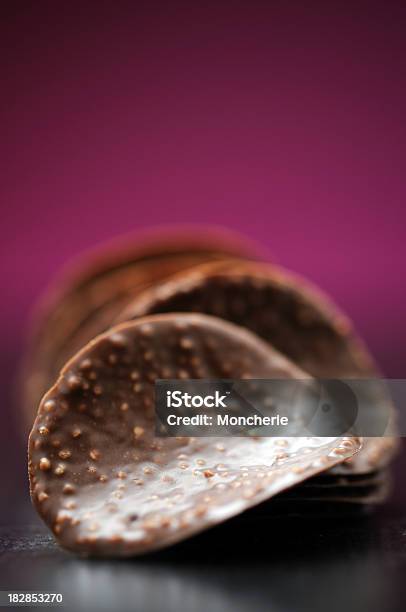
pixel 283 120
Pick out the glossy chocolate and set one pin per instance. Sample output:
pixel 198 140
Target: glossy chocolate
pixel 106 485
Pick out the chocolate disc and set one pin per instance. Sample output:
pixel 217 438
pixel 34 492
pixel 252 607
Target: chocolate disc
pixel 87 297
pixel 285 311
pixel 106 485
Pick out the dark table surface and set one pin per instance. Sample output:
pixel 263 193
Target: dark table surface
pixel 328 561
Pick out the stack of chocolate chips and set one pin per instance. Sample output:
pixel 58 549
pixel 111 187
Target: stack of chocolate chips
pixel 181 305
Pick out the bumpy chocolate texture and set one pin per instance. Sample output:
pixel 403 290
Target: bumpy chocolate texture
pixel 106 485
pixel 286 311
pixel 87 297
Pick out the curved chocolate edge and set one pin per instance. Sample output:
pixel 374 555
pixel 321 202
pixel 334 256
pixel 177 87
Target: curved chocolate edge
pixel 106 279
pixel 286 311
pixel 104 483
pixel 281 308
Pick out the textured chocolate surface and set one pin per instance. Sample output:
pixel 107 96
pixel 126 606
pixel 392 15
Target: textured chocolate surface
pixel 87 297
pixel 106 485
pixel 376 453
pixel 284 310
